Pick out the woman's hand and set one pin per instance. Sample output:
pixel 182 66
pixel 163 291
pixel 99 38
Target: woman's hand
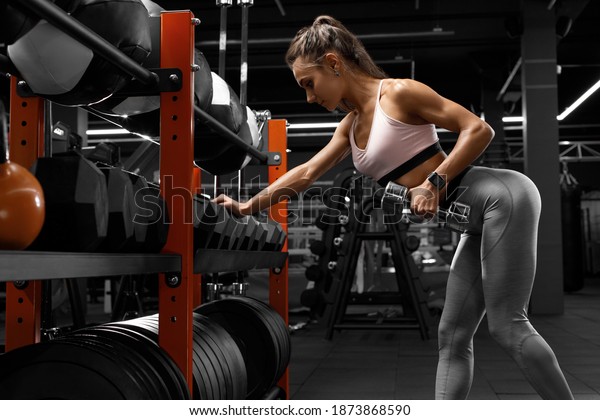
pixel 424 200
pixel 235 207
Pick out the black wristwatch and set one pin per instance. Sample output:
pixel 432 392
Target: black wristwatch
pixel 436 180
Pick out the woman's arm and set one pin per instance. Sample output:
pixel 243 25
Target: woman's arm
pixel 299 178
pixel 474 135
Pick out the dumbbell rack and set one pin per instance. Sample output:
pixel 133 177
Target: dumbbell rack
pixel 178 265
pixel 412 295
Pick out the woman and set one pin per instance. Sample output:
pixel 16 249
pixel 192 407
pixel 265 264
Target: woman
pixel 390 132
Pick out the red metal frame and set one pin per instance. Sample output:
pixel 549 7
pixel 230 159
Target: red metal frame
pixel 180 179
pixel 26 144
pixel 197 185
pixel 278 280
pixel 176 176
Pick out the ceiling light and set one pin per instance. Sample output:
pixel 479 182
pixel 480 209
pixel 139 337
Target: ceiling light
pixel 512 119
pixel 579 101
pixel 107 132
pixel 308 126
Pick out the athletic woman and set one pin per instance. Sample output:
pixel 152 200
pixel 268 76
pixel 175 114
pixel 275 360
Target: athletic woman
pixel 390 132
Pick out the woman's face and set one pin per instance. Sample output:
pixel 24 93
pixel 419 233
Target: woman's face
pixel 320 83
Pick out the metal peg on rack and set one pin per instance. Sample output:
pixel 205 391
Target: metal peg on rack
pixel 245 5
pixel 213 291
pixel 223 4
pixel 239 289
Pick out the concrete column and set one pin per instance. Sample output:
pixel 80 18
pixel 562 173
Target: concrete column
pixel 540 132
pixel 496 155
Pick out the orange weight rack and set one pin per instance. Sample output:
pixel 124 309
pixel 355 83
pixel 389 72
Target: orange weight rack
pixel 178 264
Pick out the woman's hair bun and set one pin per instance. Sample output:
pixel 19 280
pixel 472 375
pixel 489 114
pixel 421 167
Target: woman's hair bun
pixel 326 20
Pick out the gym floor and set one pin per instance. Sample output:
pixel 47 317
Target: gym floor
pixel 398 365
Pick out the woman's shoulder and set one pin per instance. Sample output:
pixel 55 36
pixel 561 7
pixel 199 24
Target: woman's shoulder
pixel 347 122
pixel 394 87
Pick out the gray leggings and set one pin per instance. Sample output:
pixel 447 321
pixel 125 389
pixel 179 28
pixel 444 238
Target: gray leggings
pixel 492 272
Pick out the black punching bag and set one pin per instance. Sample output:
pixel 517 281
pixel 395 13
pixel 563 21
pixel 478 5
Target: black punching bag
pixel 571 231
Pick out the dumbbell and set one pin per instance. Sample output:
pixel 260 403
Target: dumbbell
pixel 395 197
pixel 213 225
pixel 151 210
pixel 275 236
pixel 313 273
pixel 260 235
pixel 246 230
pixel 76 204
pixel 121 208
pixel 318 247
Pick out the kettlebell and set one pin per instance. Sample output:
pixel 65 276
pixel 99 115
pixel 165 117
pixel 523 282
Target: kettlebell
pixel 22 206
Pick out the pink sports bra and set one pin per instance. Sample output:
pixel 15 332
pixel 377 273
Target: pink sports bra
pixel 394 147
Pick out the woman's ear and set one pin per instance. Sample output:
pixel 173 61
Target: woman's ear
pixel 332 61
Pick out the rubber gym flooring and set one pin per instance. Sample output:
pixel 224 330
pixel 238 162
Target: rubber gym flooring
pixel 398 365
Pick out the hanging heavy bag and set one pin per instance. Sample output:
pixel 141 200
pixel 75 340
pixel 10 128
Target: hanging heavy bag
pixel 573 276
pixel 60 68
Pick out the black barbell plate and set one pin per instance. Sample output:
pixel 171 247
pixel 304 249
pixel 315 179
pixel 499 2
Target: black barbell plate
pixel 63 370
pixel 168 369
pixel 232 356
pixel 143 355
pixel 256 342
pixel 268 320
pixel 278 326
pixel 146 350
pixel 148 326
pixel 274 323
pixel 201 326
pixel 207 383
pixel 181 389
pixel 205 349
pixel 121 355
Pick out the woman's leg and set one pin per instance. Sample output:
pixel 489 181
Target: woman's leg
pixel 463 311
pixel 508 256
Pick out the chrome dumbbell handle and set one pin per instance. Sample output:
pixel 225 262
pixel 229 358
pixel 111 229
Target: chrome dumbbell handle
pixel 456 217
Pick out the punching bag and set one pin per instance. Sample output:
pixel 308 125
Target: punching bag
pixel 571 231
pixel 63 70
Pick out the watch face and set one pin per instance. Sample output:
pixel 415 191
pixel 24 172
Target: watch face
pixel 436 180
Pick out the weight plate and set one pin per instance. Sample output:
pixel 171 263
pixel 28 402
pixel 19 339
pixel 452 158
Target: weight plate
pixel 206 352
pixel 120 355
pixel 255 340
pixel 144 355
pixel 64 370
pixel 233 358
pixel 277 325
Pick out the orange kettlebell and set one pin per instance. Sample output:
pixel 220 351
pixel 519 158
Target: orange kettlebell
pixel 22 207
